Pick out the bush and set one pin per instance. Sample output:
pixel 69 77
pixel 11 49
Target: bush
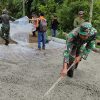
pixel 96 16
pixel 68 12
pixel 61 35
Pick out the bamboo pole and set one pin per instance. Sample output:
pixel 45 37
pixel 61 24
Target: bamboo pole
pixel 23 7
pixel 91 11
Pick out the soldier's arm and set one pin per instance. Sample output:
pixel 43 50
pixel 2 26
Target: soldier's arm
pixel 12 18
pixel 69 41
pixel 85 50
pixel 92 41
pixel 69 44
pixel 90 46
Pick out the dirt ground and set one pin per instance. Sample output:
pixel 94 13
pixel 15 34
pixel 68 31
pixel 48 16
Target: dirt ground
pixel 3 42
pixel 27 74
pixel 31 40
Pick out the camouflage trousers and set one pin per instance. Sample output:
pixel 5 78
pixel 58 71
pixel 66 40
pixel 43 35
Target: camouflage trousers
pixel 5 32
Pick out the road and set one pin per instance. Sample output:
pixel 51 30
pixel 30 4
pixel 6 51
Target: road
pixel 27 74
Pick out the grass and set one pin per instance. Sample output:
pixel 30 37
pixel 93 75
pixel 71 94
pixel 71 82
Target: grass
pixel 98 38
pixel 97 46
pixel 59 34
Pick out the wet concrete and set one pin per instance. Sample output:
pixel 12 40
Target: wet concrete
pixel 27 74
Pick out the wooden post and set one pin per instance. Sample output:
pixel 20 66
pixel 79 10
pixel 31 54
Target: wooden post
pixel 91 11
pixel 23 7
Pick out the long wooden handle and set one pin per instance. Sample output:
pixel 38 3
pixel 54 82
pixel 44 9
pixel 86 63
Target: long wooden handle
pixel 59 79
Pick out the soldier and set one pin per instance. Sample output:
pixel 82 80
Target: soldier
pixel 5 18
pixel 79 20
pixel 79 44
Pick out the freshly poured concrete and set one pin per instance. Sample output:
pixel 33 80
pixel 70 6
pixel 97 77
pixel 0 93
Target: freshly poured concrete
pixel 27 74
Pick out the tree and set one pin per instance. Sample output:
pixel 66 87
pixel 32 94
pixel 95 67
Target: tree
pixel 28 4
pixel 14 7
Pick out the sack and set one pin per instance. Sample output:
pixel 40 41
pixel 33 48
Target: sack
pixel 43 25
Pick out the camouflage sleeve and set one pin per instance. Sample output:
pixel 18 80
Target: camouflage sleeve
pixel 91 45
pixel 86 49
pixel 69 44
pixel 69 41
pixel 12 18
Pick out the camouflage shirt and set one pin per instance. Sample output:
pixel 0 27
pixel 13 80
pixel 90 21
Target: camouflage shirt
pixel 75 46
pixel 5 18
pixel 78 21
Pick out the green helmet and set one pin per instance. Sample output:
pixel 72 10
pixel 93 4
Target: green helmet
pixel 85 28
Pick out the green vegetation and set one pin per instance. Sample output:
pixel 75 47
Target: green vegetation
pixel 66 11
pixel 97 46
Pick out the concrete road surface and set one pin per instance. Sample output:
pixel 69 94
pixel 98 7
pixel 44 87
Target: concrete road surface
pixel 27 74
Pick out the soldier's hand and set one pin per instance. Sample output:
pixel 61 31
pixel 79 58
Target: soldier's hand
pixel 63 72
pixel 77 59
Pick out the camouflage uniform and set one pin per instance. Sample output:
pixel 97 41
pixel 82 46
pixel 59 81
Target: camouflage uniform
pixel 5 32
pixel 78 47
pixel 5 26
pixel 78 22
